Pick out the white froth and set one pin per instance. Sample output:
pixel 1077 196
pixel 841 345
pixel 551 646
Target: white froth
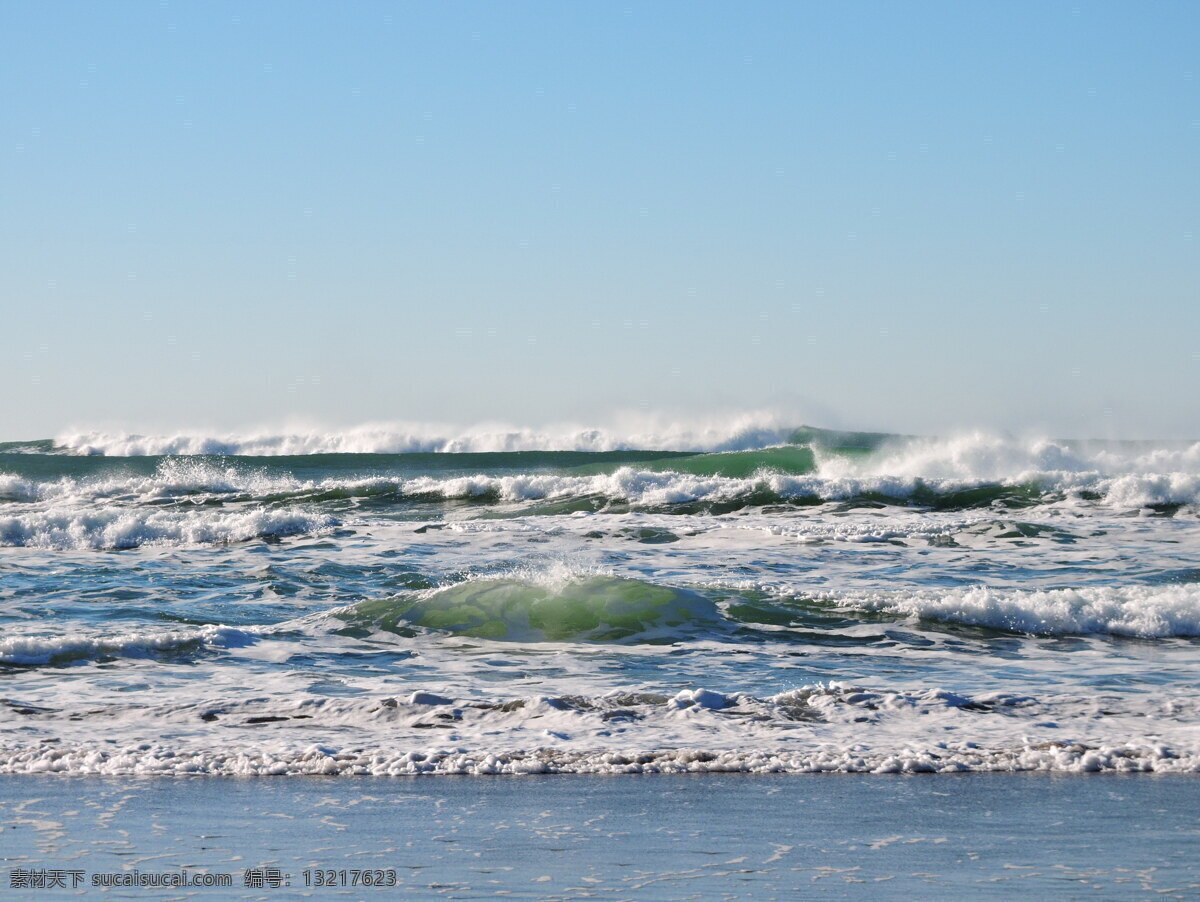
pixel 158 760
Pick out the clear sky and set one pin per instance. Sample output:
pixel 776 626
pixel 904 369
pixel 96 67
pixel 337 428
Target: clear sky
pixel 895 216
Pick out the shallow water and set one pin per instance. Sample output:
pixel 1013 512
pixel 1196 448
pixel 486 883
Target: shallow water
pixel 840 603
pixel 668 837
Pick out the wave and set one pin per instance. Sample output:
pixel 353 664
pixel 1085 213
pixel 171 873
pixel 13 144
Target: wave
pixel 123 528
pixel 29 651
pixel 744 432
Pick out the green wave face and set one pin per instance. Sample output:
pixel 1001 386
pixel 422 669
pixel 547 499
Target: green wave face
pixel 742 464
pixel 590 609
pixel 794 459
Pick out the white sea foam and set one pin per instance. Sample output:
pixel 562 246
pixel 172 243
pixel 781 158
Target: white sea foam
pixel 30 650
pixel 143 759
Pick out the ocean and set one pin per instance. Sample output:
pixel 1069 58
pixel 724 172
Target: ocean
pixel 762 600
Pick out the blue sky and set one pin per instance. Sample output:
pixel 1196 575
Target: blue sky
pixel 911 217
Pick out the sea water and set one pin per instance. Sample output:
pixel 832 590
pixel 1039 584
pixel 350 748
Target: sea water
pixel 757 599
